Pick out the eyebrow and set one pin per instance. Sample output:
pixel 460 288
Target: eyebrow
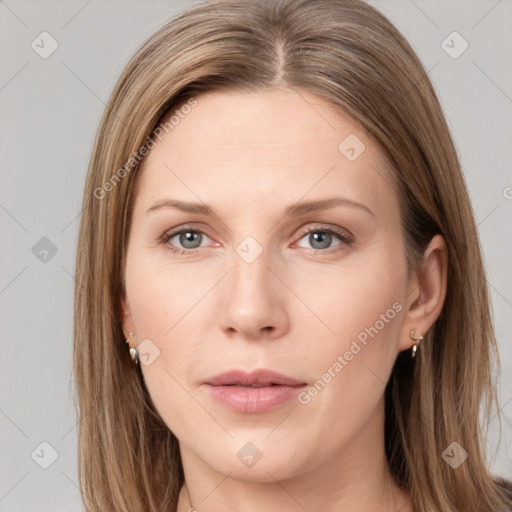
pixel 293 210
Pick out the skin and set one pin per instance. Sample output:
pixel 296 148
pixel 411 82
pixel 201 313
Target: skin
pixel 293 310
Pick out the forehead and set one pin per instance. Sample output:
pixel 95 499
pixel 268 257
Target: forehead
pixel 285 143
pixel 278 118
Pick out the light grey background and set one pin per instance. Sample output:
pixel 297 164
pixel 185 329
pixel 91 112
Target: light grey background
pixel 50 110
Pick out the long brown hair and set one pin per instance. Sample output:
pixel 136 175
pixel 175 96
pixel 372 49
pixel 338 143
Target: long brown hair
pixel 349 54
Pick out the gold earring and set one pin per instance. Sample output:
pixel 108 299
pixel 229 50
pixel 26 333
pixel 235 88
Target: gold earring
pixel 412 334
pixel 134 353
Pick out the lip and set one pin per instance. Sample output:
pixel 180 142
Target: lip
pixel 261 377
pixel 253 392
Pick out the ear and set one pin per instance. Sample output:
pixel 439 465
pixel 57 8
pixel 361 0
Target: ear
pixel 426 293
pixel 126 318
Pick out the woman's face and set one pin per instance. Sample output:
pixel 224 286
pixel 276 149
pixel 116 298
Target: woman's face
pixel 293 263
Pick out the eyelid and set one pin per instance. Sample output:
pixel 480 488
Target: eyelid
pixel 343 233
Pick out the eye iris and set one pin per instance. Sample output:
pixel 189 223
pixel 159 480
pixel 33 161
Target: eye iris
pixel 322 237
pixel 187 237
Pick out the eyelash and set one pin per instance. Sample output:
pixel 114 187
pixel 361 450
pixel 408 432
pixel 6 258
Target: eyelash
pixel 344 237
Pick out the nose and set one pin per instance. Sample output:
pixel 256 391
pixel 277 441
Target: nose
pixel 255 300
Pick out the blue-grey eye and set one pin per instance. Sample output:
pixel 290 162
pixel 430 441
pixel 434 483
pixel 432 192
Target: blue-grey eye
pixel 322 238
pixel 189 239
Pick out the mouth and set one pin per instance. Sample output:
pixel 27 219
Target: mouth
pixel 255 392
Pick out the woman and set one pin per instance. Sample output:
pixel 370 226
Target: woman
pixel 276 229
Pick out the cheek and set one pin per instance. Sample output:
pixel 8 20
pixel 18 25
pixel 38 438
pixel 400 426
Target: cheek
pixel 360 310
pixel 162 295
pixel 168 307
pixel 361 298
